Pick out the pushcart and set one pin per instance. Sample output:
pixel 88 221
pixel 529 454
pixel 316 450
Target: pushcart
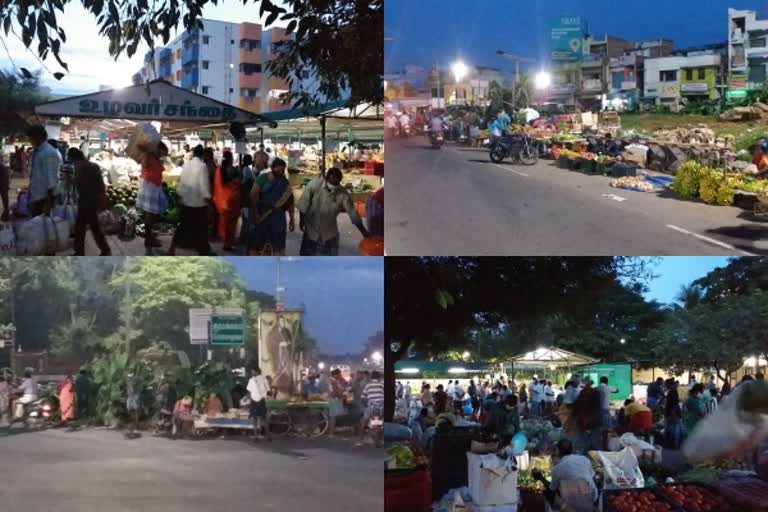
pixel 308 419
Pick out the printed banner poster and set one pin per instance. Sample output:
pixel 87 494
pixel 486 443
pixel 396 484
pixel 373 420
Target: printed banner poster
pixel 280 350
pixel 567 38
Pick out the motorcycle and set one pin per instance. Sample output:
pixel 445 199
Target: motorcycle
pixel 520 148
pixel 35 414
pixel 436 139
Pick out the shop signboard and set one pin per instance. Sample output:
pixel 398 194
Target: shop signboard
pixel 567 38
pixel 199 320
pixel 695 88
pixel 227 330
pixel 737 82
pixel 157 101
pixel 205 134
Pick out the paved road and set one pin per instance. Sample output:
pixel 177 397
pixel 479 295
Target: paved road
pixel 99 470
pixel 456 202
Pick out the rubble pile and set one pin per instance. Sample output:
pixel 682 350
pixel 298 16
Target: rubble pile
pixel 698 134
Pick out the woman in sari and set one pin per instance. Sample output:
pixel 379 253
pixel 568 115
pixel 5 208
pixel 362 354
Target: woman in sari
pixel 271 197
pixel 226 197
pixel 67 400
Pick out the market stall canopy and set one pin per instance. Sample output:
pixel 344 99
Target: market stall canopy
pixel 155 101
pixel 365 121
pixel 546 357
pixel 455 368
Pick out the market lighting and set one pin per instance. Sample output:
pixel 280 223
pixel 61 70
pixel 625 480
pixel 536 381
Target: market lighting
pixel 542 80
pixel 623 341
pixel 376 356
pixel 459 70
pixel 465 354
pixel 457 370
pixel 321 365
pixel 410 370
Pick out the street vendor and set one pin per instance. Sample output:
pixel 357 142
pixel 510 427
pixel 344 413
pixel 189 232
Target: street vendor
pixel 183 417
pixel 572 478
pixel 339 387
pixel 213 406
pixel 761 157
pixel 504 421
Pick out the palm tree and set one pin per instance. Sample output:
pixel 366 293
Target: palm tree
pixel 689 296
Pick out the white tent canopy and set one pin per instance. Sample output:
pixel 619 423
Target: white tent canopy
pixel 548 357
pixel 155 101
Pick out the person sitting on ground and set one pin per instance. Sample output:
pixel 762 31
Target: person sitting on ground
pixel 504 420
pixel 183 417
pixel 572 478
pixel 213 406
pixel 761 157
pixel 611 146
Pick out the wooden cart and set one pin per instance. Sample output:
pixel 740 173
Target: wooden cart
pixel 309 419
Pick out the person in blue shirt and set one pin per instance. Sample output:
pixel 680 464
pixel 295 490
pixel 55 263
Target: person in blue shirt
pixel 504 122
pixel 493 128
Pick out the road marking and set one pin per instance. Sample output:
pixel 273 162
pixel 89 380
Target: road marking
pixel 709 240
pixel 511 170
pixel 615 197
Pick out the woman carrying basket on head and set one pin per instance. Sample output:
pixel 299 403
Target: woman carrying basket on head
pixel 271 198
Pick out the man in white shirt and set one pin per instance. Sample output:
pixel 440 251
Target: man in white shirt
pixel 605 406
pixel 405 120
pixel 194 190
pixel 29 390
pixel 450 389
pixel 458 398
pixel 573 469
pixel 258 390
pixel 549 396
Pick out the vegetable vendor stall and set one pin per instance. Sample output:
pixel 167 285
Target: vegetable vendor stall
pixel 306 418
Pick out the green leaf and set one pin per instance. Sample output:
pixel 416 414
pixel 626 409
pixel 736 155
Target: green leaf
pixel 7 24
pixel 291 27
pixel 271 19
pixel 26 73
pixel 440 297
pixel 58 75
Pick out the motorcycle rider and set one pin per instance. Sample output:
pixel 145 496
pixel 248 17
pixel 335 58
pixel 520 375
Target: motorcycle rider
pixel 405 120
pixel 436 127
pixel 29 390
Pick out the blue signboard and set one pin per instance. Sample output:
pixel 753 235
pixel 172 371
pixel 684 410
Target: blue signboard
pixel 567 38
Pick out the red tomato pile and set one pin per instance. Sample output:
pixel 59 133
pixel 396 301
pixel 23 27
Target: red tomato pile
pixel 696 499
pixel 643 501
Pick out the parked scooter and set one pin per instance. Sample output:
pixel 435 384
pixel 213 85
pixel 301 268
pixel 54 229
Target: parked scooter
pixel 520 148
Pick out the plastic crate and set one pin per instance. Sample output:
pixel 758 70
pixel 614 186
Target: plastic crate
pixel 604 169
pixel 565 162
pixel 411 490
pixel 373 168
pixel 621 170
pixel 588 165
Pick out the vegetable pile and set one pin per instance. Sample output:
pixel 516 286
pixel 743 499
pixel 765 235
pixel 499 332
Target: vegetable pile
pixel 636 182
pixel 695 498
pixel 643 501
pixel 124 194
pixel 713 186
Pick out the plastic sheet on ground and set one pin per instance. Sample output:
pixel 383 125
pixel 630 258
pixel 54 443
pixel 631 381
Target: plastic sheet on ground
pixel 642 183
pixel 445 504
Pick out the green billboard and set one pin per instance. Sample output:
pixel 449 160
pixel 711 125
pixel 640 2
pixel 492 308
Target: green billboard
pixel 567 39
pixel 227 330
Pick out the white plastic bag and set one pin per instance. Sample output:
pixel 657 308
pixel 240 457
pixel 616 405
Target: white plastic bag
pixel 492 481
pixel 725 430
pixel 143 139
pixel 621 469
pixel 639 446
pixel 7 240
pixel 68 213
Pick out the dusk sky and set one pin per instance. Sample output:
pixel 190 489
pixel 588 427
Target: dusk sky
pixel 675 271
pixel 344 296
pixel 426 31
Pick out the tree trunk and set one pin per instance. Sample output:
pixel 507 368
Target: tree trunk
pixel 390 358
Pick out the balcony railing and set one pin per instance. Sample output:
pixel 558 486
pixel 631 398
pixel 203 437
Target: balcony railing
pixel 250 56
pixel 252 81
pixel 628 85
pixel 624 60
pixel 250 104
pixel 562 88
pixel 592 85
pixel 592 60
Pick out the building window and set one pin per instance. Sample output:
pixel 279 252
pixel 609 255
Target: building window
pixel 668 76
pixel 702 73
pixel 178 75
pixel 178 53
pixel 231 41
pixel 205 89
pixel 250 44
pixel 689 74
pixel 205 64
pixel 206 39
pixel 757 43
pixel 248 68
pixel 305 75
pixel 231 89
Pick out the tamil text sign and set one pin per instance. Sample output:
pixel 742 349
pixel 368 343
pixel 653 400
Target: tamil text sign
pixel 567 38
pixel 199 320
pixel 227 330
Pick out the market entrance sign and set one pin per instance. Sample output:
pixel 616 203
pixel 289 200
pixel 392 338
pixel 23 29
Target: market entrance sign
pixel 165 102
pixel 200 320
pixel 227 330
pixel 567 39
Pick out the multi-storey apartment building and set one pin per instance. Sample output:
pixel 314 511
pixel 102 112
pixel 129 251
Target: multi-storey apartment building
pixel 691 74
pixel 747 49
pixel 224 61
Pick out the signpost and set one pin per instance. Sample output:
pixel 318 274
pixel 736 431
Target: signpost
pixel 227 330
pixel 200 318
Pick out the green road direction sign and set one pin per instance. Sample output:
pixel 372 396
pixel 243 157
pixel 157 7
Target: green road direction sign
pixel 227 330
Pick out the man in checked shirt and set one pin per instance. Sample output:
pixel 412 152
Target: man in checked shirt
pixel 44 175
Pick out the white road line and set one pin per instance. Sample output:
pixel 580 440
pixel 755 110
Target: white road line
pixel 511 170
pixel 615 197
pixel 709 240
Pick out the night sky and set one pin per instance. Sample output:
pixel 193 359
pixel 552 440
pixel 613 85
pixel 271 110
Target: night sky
pixel 344 296
pixel 426 31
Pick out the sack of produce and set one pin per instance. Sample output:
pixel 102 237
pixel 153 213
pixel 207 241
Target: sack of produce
pixel 42 235
pixel 621 470
pixel 68 213
pixel 7 240
pixel 740 423
pixel 144 139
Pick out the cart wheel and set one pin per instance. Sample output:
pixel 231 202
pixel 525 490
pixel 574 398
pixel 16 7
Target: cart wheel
pixel 317 423
pixel 279 422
